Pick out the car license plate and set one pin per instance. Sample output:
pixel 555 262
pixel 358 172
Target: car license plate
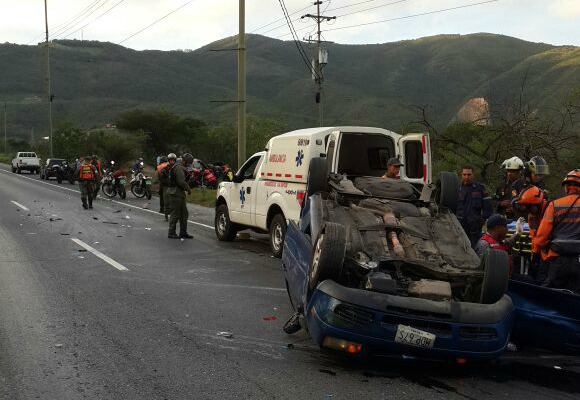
pixel 414 337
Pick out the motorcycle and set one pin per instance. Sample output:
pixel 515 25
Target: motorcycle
pixel 114 183
pixel 140 184
pixel 67 173
pixel 222 171
pixel 202 176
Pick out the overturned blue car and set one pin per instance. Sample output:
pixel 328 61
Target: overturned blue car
pixel 375 266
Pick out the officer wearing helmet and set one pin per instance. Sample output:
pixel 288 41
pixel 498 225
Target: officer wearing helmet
pixel 535 170
pixel 510 187
pixel 558 236
pixel 177 188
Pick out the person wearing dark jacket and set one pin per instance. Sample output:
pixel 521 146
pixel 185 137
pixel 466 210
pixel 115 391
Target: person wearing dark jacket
pixel 473 205
pixel 177 188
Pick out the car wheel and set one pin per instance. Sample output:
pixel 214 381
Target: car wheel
pixel 328 255
pixel 495 277
pixel 446 192
pixel 17 170
pixel 277 235
pixel 13 170
pixel 317 176
pixel 225 230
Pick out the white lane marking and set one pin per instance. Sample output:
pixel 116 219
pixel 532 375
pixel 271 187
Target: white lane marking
pixel 113 201
pixel 19 205
pixel 103 257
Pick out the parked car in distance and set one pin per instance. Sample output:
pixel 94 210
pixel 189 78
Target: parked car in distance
pixel 53 168
pixel 26 161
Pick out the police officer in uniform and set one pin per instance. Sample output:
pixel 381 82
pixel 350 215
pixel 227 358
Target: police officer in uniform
pixel 177 188
pixel 473 205
pixel 87 176
pixel 162 176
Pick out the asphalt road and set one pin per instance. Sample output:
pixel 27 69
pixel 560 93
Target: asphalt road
pixel 138 316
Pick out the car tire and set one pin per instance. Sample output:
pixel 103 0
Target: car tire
pixel 495 277
pixel 13 170
pixel 278 228
pixel 317 176
pixel 328 255
pixel 447 190
pixel 225 229
pixel 17 170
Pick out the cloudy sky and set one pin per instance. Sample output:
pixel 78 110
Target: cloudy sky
pixel 195 23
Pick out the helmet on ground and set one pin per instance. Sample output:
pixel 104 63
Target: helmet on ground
pixel 572 177
pixel 513 163
pixel 163 159
pixel 531 195
pixel 187 157
pixel 538 165
pixel 171 156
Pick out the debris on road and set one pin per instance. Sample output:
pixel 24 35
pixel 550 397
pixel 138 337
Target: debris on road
pixel 58 345
pixel 111 223
pixel 117 211
pixel 269 318
pixel 65 234
pixel 82 250
pixel 95 218
pixel 227 335
pixel 557 367
pixel 327 371
pixel 147 229
pixel 127 217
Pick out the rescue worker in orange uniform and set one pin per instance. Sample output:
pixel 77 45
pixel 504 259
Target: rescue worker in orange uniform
pixel 558 236
pixel 87 176
pixel 532 201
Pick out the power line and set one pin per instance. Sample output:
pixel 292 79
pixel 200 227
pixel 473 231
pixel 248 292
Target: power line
pixel 297 42
pixel 397 18
pixel 415 15
pixel 87 24
pixel 73 22
pixel 64 23
pixel 279 19
pixel 372 8
pixel 155 22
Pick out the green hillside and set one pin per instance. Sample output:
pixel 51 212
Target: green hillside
pixel 365 84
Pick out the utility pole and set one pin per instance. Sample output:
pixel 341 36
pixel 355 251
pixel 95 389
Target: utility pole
pixel 242 85
pixel 48 79
pixel 321 58
pixel 5 146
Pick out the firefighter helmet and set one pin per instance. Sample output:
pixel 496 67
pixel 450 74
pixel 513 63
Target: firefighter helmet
pixel 572 177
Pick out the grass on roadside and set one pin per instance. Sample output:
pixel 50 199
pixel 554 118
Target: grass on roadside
pixel 202 197
pixel 6 158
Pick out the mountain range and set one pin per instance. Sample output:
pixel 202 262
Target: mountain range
pixel 373 84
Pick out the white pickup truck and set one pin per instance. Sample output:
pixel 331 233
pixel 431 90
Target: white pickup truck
pixel 26 161
pixel 270 187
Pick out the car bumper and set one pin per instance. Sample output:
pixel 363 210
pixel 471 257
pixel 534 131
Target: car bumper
pixel 464 330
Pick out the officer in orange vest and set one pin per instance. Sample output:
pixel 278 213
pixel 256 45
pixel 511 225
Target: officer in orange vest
pixel 87 176
pixel 558 236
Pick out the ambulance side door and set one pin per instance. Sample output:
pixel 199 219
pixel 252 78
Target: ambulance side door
pixel 243 191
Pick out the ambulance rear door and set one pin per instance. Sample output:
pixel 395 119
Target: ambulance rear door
pixel 415 153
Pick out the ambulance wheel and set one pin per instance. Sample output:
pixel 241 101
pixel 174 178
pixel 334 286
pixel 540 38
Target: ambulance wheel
pixel 495 276
pixel 277 234
pixel 446 192
pixel 225 230
pixel 317 176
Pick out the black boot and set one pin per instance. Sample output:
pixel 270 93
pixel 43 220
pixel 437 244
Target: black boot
pixel 85 204
pixel 185 235
pixel 172 235
pixel 90 204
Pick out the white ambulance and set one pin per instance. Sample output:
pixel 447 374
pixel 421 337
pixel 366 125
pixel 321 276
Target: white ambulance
pixel 268 190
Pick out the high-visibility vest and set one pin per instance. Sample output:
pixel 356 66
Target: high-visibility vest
pixel 561 222
pixel 86 172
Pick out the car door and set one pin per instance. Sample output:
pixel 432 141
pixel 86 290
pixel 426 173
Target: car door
pixel 415 151
pixel 243 192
